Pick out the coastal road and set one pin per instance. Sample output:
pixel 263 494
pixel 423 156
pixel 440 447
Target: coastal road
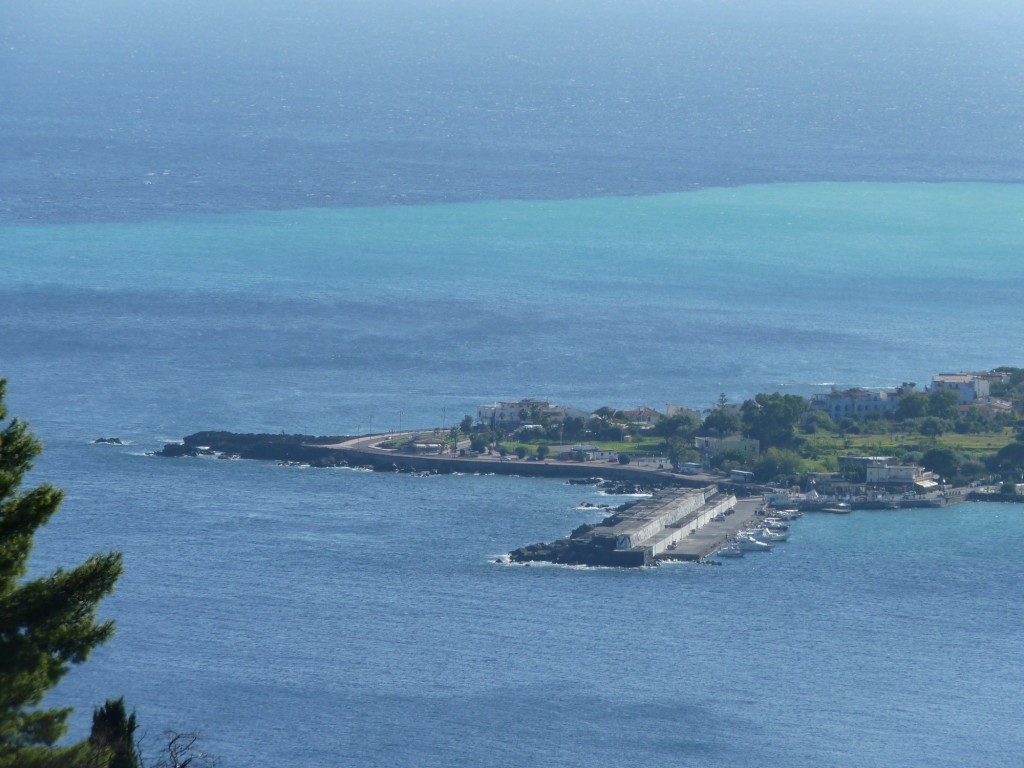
pixel 370 445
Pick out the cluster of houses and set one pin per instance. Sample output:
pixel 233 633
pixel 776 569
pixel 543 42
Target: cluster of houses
pixel 971 386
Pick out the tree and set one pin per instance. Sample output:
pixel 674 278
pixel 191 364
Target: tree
pixel 719 423
pixel 520 451
pixel 816 420
pixel 684 425
pixel 573 428
pixel 942 403
pixel 777 463
pixel 466 425
pixel 731 459
pixel 624 458
pixel 942 461
pixel 681 451
pixel 933 427
pixel 771 419
pixel 542 452
pixel 46 624
pixel 912 405
pixel 114 729
pixel 182 751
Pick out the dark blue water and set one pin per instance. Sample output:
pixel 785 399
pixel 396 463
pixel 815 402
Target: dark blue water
pixel 113 112
pixel 201 231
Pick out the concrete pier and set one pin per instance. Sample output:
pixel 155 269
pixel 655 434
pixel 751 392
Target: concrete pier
pixel 671 525
pixel 709 538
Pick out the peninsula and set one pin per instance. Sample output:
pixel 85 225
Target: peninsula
pixel 962 438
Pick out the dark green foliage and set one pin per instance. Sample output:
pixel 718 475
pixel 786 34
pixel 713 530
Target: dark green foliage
pixel 777 464
pixel 681 451
pixel 466 425
pixel 771 418
pixel 542 451
pixel 114 729
pixel 732 459
pixel 818 420
pixel 624 458
pixel 942 461
pixel 719 423
pixel 1010 458
pixel 572 428
pixel 521 451
pixel 682 425
pixel 933 426
pixel 478 442
pixel 913 405
pixel 46 624
pixel 942 403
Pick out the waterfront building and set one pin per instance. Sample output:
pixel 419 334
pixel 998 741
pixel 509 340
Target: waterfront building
pixel 903 476
pixel 643 415
pixel 674 410
pixel 969 386
pixel 858 403
pixel 710 447
pixel 513 414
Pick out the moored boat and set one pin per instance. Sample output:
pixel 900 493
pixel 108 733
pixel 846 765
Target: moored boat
pixel 730 550
pixel 842 508
pixel 750 544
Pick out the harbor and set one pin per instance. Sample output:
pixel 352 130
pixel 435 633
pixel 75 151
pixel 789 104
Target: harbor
pixel 674 524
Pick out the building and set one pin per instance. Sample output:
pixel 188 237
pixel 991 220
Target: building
pixel 643 415
pixel 859 403
pixel 677 410
pixel 427 445
pixel 710 447
pixel 902 476
pixel 969 386
pixel 987 405
pixel 513 414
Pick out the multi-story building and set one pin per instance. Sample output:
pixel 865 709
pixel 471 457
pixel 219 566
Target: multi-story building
pixel 969 386
pixel 643 415
pixel 512 414
pixel 859 403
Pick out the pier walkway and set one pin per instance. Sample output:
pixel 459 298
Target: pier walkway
pixel 710 537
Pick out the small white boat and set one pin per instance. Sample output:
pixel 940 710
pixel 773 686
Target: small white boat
pixel 842 508
pixel 770 536
pixel 750 544
pixel 730 550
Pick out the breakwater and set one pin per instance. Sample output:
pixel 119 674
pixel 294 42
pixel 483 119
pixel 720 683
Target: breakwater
pixel 640 534
pixel 365 451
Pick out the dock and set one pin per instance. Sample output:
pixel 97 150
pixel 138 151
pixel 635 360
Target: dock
pixel 713 535
pixel 674 524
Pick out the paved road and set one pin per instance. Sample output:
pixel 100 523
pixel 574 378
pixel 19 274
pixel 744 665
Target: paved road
pixel 369 444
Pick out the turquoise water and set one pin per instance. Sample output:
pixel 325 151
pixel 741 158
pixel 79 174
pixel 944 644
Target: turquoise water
pixel 302 617
pixel 357 314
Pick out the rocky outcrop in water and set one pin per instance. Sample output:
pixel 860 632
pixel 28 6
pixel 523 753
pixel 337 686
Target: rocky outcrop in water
pixel 302 449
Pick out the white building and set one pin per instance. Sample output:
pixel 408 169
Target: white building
pixel 710 447
pixel 512 414
pixel 901 474
pixel 859 403
pixel 643 415
pixel 969 386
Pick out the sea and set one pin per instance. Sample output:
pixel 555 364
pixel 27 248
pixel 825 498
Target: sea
pixel 340 218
